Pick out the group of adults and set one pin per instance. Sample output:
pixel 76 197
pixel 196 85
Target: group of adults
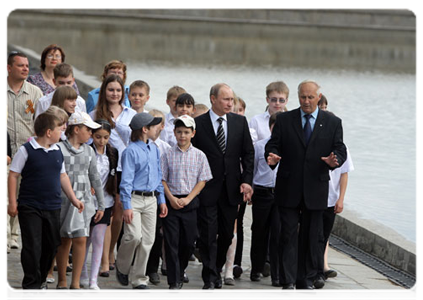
pixel 306 143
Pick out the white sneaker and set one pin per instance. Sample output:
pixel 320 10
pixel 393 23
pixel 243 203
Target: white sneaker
pixel 50 280
pixel 94 287
pixel 84 283
pixel 14 244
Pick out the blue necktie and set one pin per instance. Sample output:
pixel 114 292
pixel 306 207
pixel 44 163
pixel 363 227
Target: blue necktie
pixel 307 129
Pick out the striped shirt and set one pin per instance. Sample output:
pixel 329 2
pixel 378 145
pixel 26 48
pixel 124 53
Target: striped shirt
pixel 182 170
pixel 20 112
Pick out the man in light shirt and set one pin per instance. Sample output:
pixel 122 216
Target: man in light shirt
pixel 63 76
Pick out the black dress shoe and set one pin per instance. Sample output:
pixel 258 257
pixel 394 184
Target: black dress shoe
pixel 175 286
pixel 330 274
pixel 141 287
pixel 154 278
pixel 164 271
pixel 122 278
pixel 237 271
pixel 266 269
pixel 319 282
pixel 255 276
pixel 218 283
pixel 185 279
pixel 208 286
pixel 288 286
pixel 304 287
pixel 306 290
pixel 43 288
pixel 276 283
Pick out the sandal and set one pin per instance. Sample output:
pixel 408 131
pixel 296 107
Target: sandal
pixel 104 274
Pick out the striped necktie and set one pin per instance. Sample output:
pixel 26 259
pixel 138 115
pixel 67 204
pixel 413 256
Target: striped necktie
pixel 221 135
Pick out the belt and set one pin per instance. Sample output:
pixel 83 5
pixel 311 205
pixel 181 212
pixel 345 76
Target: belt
pixel 265 188
pixel 146 194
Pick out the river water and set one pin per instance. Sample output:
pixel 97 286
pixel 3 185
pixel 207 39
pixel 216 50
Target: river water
pixel 378 114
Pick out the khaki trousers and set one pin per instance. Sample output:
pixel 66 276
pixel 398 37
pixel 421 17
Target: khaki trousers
pixel 138 239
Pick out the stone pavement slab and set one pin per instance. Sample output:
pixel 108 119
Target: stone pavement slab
pixel 354 281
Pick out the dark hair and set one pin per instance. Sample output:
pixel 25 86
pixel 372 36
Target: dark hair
pixel 102 108
pixel 136 134
pixel 272 119
pixel 322 101
pixel 47 50
pixel 104 125
pixel 185 98
pixel 11 57
pixel 112 155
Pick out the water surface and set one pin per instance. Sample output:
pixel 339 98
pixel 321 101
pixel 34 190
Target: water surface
pixel 378 113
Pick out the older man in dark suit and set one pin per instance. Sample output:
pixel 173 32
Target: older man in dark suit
pixel 225 139
pixel 307 143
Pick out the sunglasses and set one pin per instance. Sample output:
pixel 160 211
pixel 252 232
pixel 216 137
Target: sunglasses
pixel 274 100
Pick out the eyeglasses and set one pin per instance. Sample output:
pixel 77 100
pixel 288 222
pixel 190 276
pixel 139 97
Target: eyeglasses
pixel 274 100
pixel 50 56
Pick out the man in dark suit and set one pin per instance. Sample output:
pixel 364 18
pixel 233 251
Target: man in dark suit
pixel 225 139
pixel 307 143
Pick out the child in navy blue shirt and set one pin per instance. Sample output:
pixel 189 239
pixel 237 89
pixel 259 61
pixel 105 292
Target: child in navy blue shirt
pixel 40 163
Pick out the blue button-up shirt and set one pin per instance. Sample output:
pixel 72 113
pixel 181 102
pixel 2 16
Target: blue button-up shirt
pixel 312 119
pixel 141 171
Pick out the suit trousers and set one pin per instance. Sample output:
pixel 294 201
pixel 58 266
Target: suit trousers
pixel 40 239
pixel 240 234
pixel 328 221
pixel 216 226
pixel 179 237
pixel 265 232
pixel 138 239
pixel 299 248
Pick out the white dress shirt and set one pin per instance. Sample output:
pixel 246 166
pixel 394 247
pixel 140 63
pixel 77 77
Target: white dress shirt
pixel 260 123
pixel 45 102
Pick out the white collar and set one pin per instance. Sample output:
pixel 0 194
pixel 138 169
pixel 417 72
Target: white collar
pixel 33 142
pixel 214 116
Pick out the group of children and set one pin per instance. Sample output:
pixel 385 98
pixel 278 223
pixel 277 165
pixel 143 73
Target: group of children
pixel 140 167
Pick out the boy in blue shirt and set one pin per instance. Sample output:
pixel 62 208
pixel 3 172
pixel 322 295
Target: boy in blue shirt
pixel 141 190
pixel 41 164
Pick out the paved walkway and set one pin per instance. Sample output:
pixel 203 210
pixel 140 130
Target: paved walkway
pixel 352 275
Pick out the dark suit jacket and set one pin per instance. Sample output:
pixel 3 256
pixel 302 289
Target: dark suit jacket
pixel 302 173
pixel 225 168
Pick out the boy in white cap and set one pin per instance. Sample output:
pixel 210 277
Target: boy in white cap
pixel 141 190
pixel 185 173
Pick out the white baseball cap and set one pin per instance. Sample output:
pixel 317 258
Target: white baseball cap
pixel 82 118
pixel 187 120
